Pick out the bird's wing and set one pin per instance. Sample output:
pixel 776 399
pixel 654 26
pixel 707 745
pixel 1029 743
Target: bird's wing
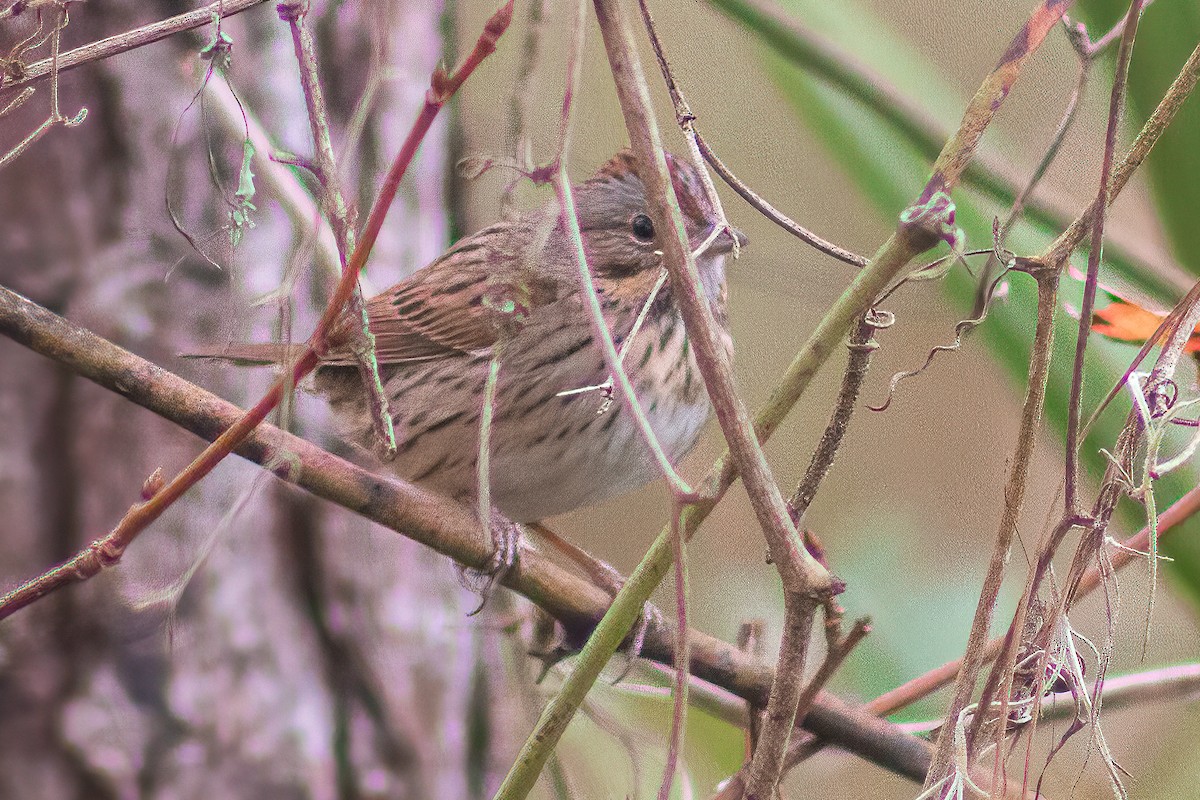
pixel 464 302
pixel 460 303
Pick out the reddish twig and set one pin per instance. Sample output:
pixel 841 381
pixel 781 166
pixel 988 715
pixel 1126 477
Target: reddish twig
pixel 442 87
pixel 1180 683
pixel 998 687
pixel 1086 51
pixel 683 656
pixel 951 164
pixel 108 550
pixel 920 687
pixel 436 522
pixel 833 660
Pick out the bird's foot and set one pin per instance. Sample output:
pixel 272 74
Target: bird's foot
pixel 506 540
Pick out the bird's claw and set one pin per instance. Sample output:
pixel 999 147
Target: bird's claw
pixel 506 538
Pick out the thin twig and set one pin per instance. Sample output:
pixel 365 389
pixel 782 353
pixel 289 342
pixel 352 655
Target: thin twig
pixel 751 639
pixel 998 688
pixel 1115 111
pixel 839 649
pixel 862 346
pixel 774 214
pixel 612 359
pixel 290 193
pixel 888 263
pixel 1093 48
pixel 362 343
pixel 1040 356
pixel 687 123
pixel 1174 98
pixel 845 71
pixel 1056 257
pixel 55 117
pixel 1179 683
pixel 984 293
pixel 429 519
pixel 484 463
pixel 130 40
pixel 523 94
pixel 833 660
pixel 1087 52
pixel 683 654
pixel 1128 551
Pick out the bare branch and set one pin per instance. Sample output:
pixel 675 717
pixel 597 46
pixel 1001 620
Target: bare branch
pixel 1116 109
pixel 427 518
pixel 130 40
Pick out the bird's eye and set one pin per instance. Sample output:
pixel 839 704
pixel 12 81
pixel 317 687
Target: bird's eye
pixel 643 228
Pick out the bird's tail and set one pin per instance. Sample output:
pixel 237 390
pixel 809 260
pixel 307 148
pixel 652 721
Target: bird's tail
pixel 251 355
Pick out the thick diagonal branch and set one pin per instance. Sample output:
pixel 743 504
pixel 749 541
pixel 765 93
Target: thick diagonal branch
pixel 427 518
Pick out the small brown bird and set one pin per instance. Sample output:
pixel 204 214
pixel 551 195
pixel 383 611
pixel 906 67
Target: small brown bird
pixel 513 289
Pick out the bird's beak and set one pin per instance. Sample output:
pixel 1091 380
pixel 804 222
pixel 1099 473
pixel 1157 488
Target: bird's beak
pixel 725 242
